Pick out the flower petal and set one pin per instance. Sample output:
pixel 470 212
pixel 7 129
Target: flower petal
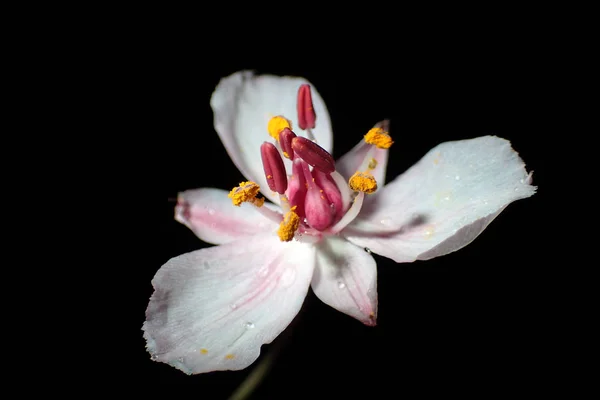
pixel 213 308
pixel 243 104
pixel 345 278
pixel 361 154
pixel 210 215
pixel 444 201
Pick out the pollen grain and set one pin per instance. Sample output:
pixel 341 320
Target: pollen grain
pixel 380 138
pixel 277 124
pixel 289 225
pixel 246 192
pixel 363 182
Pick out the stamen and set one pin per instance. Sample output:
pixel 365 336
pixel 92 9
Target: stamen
pixel 363 182
pixel 273 167
pixel 313 154
pixel 246 192
pixel 304 106
pixel 285 140
pixel 288 226
pixel 380 138
pixel 277 124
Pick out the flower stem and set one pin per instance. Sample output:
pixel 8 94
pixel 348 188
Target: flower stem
pixel 255 377
pixel 260 372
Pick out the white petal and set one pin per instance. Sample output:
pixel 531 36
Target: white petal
pixel 444 201
pixel 243 104
pixel 346 279
pixel 213 308
pixel 210 214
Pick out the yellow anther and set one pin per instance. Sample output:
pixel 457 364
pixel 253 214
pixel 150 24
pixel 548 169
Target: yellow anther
pixel 288 226
pixel 277 124
pixel 363 182
pixel 246 192
pixel 372 163
pixel 380 138
pixel 286 155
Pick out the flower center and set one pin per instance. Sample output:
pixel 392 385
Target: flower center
pixel 310 197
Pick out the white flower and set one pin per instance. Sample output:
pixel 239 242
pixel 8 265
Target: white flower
pixel 212 309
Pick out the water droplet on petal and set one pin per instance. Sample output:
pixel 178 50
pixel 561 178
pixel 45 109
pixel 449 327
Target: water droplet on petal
pixel 180 359
pixel 249 325
pixel 341 285
pixel 386 221
pixel 233 306
pixel 288 276
pixel 154 357
pixel 522 181
pixel 516 189
pixel 368 250
pixel 457 177
pixel 211 211
pixel 429 232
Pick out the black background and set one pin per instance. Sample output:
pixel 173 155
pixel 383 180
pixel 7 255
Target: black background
pixel 468 319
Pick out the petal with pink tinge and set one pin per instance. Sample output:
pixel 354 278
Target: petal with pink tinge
pixel 210 214
pixel 212 309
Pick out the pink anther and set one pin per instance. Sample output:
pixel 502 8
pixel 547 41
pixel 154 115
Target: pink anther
pixel 313 154
pixel 274 168
pixel 304 106
pixel 285 139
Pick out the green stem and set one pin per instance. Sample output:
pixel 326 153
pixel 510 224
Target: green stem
pixel 255 377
